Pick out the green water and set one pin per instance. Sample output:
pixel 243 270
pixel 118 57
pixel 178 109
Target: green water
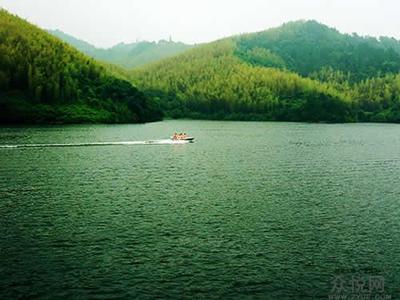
pixel 257 210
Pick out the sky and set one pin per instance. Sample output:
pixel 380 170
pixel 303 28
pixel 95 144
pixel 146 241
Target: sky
pixel 105 23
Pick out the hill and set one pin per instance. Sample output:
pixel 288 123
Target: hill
pixel 127 55
pixel 308 46
pixel 301 71
pixel 44 80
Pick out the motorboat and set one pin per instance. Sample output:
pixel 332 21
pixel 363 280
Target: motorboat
pixel 182 137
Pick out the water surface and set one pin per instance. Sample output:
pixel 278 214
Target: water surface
pixel 264 210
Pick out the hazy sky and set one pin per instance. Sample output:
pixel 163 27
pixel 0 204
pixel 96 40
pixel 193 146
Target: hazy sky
pixel 107 22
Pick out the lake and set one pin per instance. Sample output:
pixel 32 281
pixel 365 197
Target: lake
pixel 250 210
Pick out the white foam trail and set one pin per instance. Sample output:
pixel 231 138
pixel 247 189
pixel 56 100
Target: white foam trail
pixel 97 144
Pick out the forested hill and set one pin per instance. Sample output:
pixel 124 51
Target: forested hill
pixel 44 80
pixel 126 55
pixel 301 71
pixel 306 47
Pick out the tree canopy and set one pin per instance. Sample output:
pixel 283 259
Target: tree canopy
pixel 42 79
pixel 302 71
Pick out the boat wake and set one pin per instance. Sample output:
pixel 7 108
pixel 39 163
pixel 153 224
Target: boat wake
pixel 98 144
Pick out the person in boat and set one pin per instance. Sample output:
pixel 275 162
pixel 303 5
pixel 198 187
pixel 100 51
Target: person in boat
pixel 177 136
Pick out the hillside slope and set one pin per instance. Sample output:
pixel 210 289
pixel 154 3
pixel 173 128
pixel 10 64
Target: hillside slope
pixel 126 55
pixel 44 80
pixel 211 82
pixel 302 71
pixel 308 46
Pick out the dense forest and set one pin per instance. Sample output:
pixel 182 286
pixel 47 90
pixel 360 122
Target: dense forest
pixel 308 47
pixel 44 80
pixel 301 71
pixel 126 55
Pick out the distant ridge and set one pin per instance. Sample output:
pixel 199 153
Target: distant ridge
pixel 127 55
